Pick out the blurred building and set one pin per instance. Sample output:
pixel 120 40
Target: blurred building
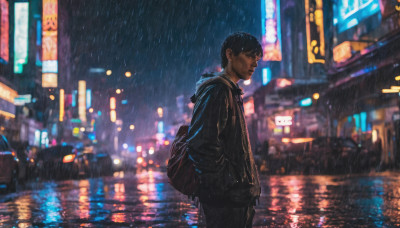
pixel 292 71
pixel 364 62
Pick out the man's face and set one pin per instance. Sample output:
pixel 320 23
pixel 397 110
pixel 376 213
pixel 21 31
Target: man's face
pixel 244 64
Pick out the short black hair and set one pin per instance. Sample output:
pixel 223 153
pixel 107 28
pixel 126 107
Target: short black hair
pixel 240 42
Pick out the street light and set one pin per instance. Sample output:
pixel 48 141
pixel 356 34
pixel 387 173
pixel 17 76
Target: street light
pixel 118 91
pixel 132 127
pixel 160 112
pixel 315 96
pixel 247 82
pixel 108 72
pixel 91 110
pixel 128 74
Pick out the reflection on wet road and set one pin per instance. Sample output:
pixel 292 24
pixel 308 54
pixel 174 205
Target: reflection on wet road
pixel 146 199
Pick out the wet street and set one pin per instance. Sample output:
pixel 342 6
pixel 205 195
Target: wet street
pixel 145 199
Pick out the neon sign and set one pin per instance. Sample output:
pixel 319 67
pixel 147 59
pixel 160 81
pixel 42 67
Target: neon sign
pixel 271 31
pixel 315 31
pixel 283 120
pixel 351 13
pixel 62 99
pixel 49 39
pixel 82 100
pixel 342 52
pixel 4 53
pixel 21 36
pixel 266 76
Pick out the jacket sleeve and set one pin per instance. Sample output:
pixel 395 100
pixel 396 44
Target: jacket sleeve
pixel 208 122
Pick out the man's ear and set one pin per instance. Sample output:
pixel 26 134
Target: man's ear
pixel 229 54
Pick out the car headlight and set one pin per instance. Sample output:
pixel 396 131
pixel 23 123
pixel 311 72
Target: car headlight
pixel 117 161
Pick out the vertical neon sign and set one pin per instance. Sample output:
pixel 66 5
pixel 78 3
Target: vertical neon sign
pixel 21 36
pixel 62 99
pixel 4 53
pixel 82 100
pixel 49 43
pixel 315 31
pixel 271 30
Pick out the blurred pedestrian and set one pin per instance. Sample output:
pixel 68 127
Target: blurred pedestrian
pixel 218 138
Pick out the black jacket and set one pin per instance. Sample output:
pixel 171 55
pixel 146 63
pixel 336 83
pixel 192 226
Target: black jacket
pixel 219 144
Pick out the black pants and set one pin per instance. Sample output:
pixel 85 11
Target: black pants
pixel 240 217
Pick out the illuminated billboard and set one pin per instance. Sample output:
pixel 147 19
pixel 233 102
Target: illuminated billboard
pixel 49 38
pixel 21 18
pixel 49 80
pixel 7 98
pixel 82 100
pixel 62 101
pixel 4 30
pixel 271 30
pixel 349 13
pixel 315 31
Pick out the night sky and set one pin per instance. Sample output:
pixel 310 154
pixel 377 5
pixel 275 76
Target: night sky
pixel 167 43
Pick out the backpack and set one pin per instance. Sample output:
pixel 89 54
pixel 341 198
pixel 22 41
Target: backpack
pixel 180 169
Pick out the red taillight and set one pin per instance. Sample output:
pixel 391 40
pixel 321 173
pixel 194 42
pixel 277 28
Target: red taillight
pixel 68 158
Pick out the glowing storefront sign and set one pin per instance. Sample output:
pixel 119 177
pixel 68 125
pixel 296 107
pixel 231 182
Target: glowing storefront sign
pixel 62 99
pixel 249 107
pixel 21 36
pixel 315 31
pixel 4 30
pixel 283 82
pixel 49 39
pixel 50 66
pixel 283 120
pixel 7 97
pixel 82 100
pixel 271 30
pixel 88 98
pixel 113 113
pixel 8 94
pixel 351 13
pixel 22 99
pixel 342 52
pixel 112 103
pixel 266 75
pixel 49 80
pixel 306 102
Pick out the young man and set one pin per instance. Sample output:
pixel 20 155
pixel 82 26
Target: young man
pixel 218 138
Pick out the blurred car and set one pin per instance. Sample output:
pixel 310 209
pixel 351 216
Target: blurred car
pixel 325 154
pixel 104 163
pixel 93 164
pixel 58 162
pixel 9 163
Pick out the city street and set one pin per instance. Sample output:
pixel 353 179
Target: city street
pixel 146 199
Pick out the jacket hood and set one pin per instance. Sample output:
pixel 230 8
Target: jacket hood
pixel 206 79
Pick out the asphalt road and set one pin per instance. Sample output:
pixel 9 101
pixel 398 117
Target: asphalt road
pixel 145 199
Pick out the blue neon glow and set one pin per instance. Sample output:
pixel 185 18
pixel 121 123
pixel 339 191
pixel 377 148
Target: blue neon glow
pixel 50 66
pixel 266 76
pixel 74 93
pixel 124 102
pixel 99 113
pixel 160 127
pixel 363 117
pixel 306 102
pixel 88 98
pixel 357 121
pixel 351 13
pixel 39 33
